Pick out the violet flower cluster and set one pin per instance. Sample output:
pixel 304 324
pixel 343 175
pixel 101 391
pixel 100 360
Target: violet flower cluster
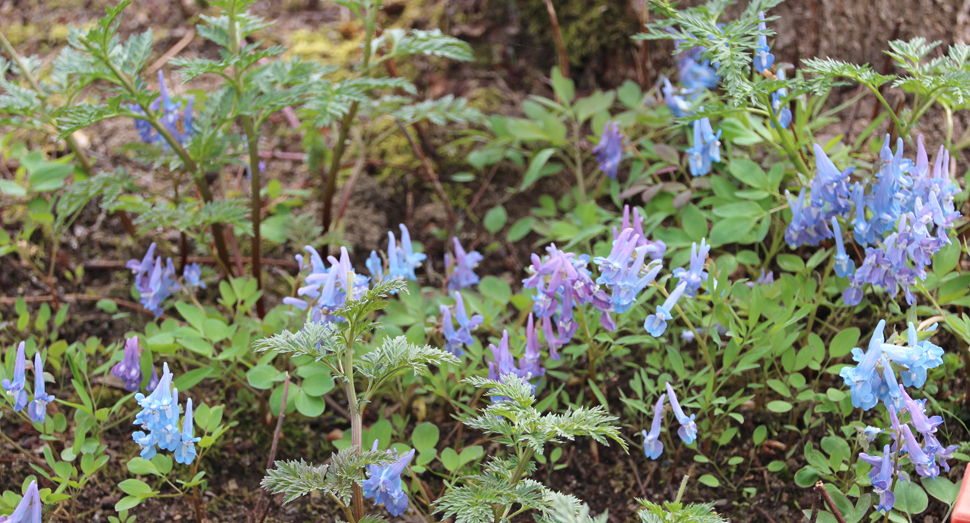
pixel 176 120
pixel 652 446
pixel 327 290
pixel 401 258
pixel 456 339
pixel 503 363
pixel 159 421
pixel 383 483
pixel 696 76
pixel 609 152
pixel 706 149
pixel 30 508
pixel 690 281
pixel 873 380
pixel 154 281
pixel 901 219
pixel 16 387
pixel 129 368
pixel 460 269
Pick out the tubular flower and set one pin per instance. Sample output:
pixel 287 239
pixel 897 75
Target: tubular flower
pixel 652 446
pixel 844 266
pixel 176 120
pixel 129 369
pixel 328 290
pixel 688 428
pixel 655 249
pixel 696 74
pixel 675 101
pixel 699 155
pixel 30 508
pixel 656 324
pixel 375 266
pixel 782 112
pixel 624 270
pixel 383 483
pixel 193 276
pixel 882 477
pixel 461 268
pixel 185 452
pixel 609 152
pixel 763 59
pixel 153 281
pixel 401 259
pixel 455 339
pixel 159 422
pixel 15 387
pixel 38 406
pixel 695 276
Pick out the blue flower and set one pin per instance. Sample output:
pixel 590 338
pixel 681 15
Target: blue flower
pixel 711 140
pixel 402 260
pixel 461 268
pixel 176 121
pixel 624 272
pixel 699 155
pixel 844 266
pixel 782 112
pixel 677 104
pixel 609 152
pixel 455 339
pixel 656 324
pixel 15 387
pixel 328 290
pixel 384 483
pixel 655 249
pixel 696 275
pixel 38 407
pixel 153 281
pixel 688 428
pixel 763 59
pixel 30 508
pixel 863 380
pixel 185 453
pixel 193 275
pixel 696 74
pixel 871 432
pixel 375 266
pixel 652 446
pixel 925 464
pixel 881 475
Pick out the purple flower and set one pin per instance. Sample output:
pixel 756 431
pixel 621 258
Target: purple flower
pixel 675 101
pixel 881 475
pixel 129 368
pixel 655 249
pixel 15 387
pixel 624 271
pixel 925 463
pixel 763 59
pixel 153 281
pixel 38 406
pixel 383 483
pixel 652 446
pixel 461 268
pixel 328 290
pixel 688 428
pixel 455 339
pixel 193 275
pixel 375 266
pixel 609 152
pixel 176 121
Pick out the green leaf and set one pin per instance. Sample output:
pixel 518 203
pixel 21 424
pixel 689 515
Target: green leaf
pixel 127 502
pixel 425 436
pixel 730 230
pixel 942 489
pixel 263 376
pixel 309 406
pixel 141 467
pixel 134 487
pixel 910 497
pixel 495 219
pixel 597 102
pixel 520 228
pixel 749 173
pixel 564 87
pixel 449 458
pixel 495 288
pixel 806 477
pixel 779 407
pixel 709 480
pixel 844 342
pixel 192 378
pixel 535 167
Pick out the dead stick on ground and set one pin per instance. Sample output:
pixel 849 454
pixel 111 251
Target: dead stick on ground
pixel 820 488
pixel 636 474
pixel 765 514
pixel 557 35
pixel 157 64
pixel 431 174
pixel 272 449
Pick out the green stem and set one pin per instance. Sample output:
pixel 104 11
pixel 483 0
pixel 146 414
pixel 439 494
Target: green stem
pixel 885 104
pixel 578 169
pixel 524 457
pixel 789 146
pixel 356 423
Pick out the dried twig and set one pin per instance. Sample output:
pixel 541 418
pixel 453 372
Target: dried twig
pixel 820 488
pixel 557 35
pixel 272 450
pixel 162 60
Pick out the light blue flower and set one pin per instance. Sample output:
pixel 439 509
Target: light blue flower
pixel 656 324
pixel 401 259
pixel 383 484
pixel 677 104
pixel 782 112
pixel 652 446
pixel 30 508
pixel 375 266
pixel 763 59
pixel 871 432
pixel 193 275
pixel 699 155
pixel 863 380
pixel 38 406
pixel 844 266
pixel 15 387
pixel 695 276
pixel 185 452
pixel 688 428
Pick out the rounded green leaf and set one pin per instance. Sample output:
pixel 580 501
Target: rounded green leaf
pixel 910 497
pixel 779 407
pixel 495 219
pixel 709 480
pixel 263 376
pixel 425 436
